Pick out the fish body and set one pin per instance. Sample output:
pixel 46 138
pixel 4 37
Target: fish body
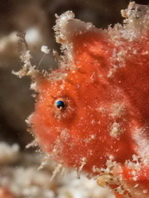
pixel 94 109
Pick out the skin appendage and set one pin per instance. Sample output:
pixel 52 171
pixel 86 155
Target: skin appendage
pixel 92 113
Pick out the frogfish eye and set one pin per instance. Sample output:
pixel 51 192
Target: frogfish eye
pixel 60 104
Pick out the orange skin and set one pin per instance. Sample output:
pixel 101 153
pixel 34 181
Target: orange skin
pixel 83 97
pixel 81 132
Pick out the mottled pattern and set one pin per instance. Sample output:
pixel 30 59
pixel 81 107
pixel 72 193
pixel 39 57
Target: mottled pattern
pixel 103 81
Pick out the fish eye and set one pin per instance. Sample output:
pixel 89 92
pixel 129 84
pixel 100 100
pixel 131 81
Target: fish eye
pixel 60 104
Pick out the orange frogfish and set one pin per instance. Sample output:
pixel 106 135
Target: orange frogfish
pixel 93 112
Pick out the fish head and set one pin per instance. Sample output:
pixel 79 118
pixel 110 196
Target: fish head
pixel 80 117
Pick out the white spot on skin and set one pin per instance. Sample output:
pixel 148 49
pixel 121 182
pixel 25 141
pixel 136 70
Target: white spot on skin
pixel 102 110
pixel 93 136
pixel 92 78
pixel 118 109
pixel 62 87
pixel 145 191
pixel 93 122
pixel 64 135
pixel 145 52
pixel 100 75
pixel 116 130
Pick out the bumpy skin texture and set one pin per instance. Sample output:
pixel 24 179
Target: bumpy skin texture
pixel 105 88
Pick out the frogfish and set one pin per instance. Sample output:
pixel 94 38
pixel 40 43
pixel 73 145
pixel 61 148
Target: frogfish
pixel 92 113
